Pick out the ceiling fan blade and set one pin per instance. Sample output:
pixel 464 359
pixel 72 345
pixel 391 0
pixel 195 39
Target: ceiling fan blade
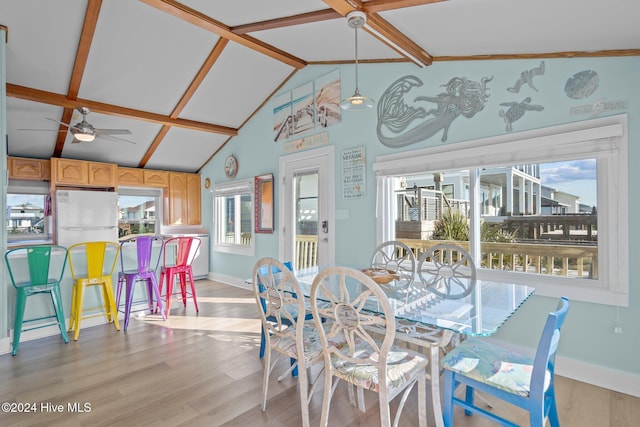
pixel 58 121
pixel 114 138
pixel 45 130
pixel 113 131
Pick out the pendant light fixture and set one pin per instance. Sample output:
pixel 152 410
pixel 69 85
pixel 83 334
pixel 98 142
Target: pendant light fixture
pixel 356 102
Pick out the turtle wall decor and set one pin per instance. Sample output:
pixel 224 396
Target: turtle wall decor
pixel 516 110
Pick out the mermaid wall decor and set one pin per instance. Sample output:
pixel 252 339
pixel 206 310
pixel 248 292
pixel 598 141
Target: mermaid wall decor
pixel 462 97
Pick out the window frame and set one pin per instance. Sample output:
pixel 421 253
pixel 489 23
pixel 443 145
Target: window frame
pixel 604 139
pixel 236 188
pixel 39 188
pixel 156 193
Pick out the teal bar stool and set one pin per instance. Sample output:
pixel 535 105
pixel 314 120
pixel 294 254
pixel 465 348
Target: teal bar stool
pixel 37 270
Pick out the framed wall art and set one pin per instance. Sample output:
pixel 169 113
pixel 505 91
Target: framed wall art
pixel 282 118
pixel 354 172
pixel 264 206
pixel 313 105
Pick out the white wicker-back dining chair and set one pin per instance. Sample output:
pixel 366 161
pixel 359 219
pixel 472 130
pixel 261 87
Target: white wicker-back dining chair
pixel 339 295
pixel 280 299
pixel 448 272
pixel 397 259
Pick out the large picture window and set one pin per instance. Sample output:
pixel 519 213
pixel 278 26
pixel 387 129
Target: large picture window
pixel 545 208
pixel 233 217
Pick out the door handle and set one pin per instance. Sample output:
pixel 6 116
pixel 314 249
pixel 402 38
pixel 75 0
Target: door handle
pixel 325 226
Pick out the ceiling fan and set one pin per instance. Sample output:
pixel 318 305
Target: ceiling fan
pixel 83 131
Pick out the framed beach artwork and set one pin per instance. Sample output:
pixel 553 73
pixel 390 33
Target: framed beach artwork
pixel 327 99
pixel 302 109
pixel 264 207
pixel 282 120
pixel 310 106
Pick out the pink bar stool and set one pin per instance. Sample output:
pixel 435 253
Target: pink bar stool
pixel 179 253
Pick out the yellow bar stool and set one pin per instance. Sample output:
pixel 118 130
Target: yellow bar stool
pixel 92 264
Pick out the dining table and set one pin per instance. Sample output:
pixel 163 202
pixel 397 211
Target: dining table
pixel 432 317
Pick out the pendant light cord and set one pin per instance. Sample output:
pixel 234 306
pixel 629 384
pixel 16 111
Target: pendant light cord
pixel 356 37
pixel 356 102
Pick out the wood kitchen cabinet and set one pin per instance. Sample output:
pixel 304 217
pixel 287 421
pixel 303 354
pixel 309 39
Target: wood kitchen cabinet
pixel 83 173
pixel 184 203
pixel 143 177
pixel 29 169
pixel 155 178
pixel 130 176
pixel 194 199
pixel 67 171
pixel 103 174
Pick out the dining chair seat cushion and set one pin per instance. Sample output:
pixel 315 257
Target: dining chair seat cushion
pixel 287 344
pixel 492 364
pixel 311 343
pixel 403 366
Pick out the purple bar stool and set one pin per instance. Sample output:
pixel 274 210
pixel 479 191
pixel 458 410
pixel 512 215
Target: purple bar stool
pixel 148 252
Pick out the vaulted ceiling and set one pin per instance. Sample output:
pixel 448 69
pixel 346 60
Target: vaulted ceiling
pixel 185 76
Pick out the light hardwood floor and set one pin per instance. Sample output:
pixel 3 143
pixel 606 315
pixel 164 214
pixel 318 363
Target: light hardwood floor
pixel 204 370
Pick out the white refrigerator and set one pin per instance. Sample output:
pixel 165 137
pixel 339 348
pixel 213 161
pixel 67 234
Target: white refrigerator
pixel 85 216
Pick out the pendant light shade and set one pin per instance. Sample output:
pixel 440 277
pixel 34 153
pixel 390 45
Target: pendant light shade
pixel 356 102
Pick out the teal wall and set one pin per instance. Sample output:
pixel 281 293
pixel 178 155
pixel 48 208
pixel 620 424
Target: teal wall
pixel 588 333
pixel 3 167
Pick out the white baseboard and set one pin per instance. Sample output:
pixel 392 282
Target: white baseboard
pixel 230 280
pixel 5 345
pixel 612 379
pixel 601 376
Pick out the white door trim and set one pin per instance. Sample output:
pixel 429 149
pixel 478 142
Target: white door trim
pixel 322 159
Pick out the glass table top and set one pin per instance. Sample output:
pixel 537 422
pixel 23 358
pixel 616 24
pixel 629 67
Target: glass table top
pixel 487 306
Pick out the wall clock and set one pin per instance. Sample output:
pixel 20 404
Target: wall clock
pixel 231 166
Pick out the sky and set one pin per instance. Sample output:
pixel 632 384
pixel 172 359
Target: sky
pixel 577 177
pixel 34 199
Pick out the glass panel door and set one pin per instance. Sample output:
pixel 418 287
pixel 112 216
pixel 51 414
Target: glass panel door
pixel 305 187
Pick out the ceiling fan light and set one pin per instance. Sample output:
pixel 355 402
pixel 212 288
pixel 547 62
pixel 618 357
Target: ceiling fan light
pixel 83 131
pixel 84 137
